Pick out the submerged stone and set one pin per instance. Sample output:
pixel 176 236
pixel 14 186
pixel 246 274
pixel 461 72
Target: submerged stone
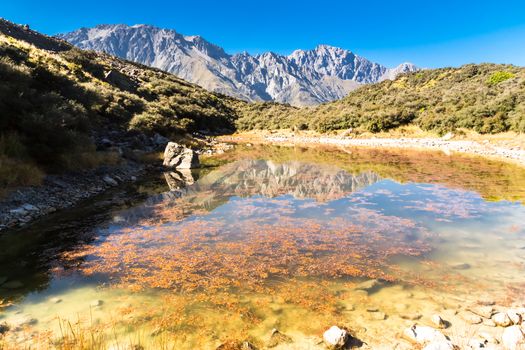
pixel 368 285
pixel 461 267
pixel 96 303
pixel 21 321
pixel 377 316
pixel 278 338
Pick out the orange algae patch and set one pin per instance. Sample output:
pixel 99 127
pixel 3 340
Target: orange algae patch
pixel 249 253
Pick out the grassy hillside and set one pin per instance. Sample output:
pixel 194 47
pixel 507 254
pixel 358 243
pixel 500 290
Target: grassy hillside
pixel 56 100
pixel 487 98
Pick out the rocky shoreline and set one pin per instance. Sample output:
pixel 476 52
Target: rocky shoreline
pixel 476 325
pixel 445 144
pixel 58 192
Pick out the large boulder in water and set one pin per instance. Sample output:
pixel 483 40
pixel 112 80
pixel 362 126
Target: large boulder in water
pixel 180 157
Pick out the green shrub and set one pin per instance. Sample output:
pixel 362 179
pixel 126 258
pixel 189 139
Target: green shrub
pixel 16 172
pixel 499 77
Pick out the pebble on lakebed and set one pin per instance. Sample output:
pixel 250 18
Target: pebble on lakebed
pixel 96 303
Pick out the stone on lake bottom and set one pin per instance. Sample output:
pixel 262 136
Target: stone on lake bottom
pixel 461 267
pixel 22 321
pixel 367 285
pixel 377 316
pixel 278 338
pixel 96 303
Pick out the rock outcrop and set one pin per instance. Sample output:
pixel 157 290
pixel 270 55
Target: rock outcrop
pixel 180 157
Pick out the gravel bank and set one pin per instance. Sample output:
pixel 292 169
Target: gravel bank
pixel 484 149
pixel 59 192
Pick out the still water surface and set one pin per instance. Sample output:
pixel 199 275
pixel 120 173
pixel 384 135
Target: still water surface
pixel 267 237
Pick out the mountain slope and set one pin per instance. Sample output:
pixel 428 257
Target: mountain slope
pixel 60 105
pixel 487 98
pixel 302 78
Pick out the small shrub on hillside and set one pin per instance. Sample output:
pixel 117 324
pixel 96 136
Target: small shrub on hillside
pixel 499 77
pixel 17 172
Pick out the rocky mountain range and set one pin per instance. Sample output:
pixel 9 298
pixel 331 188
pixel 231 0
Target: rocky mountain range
pixel 305 77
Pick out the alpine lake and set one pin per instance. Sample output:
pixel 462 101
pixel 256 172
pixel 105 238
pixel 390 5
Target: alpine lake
pixel 268 237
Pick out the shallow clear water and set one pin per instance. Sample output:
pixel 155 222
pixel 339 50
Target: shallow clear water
pixel 270 237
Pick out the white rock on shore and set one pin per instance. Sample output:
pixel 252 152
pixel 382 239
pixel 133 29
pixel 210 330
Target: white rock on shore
pixel 440 345
pixel 513 338
pixel 178 156
pixel 110 181
pixel 502 319
pixel 335 337
pixel 424 335
pixel 471 317
pixel 438 321
pixel 514 316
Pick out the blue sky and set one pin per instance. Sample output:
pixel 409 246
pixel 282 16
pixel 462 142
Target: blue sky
pixel 427 33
